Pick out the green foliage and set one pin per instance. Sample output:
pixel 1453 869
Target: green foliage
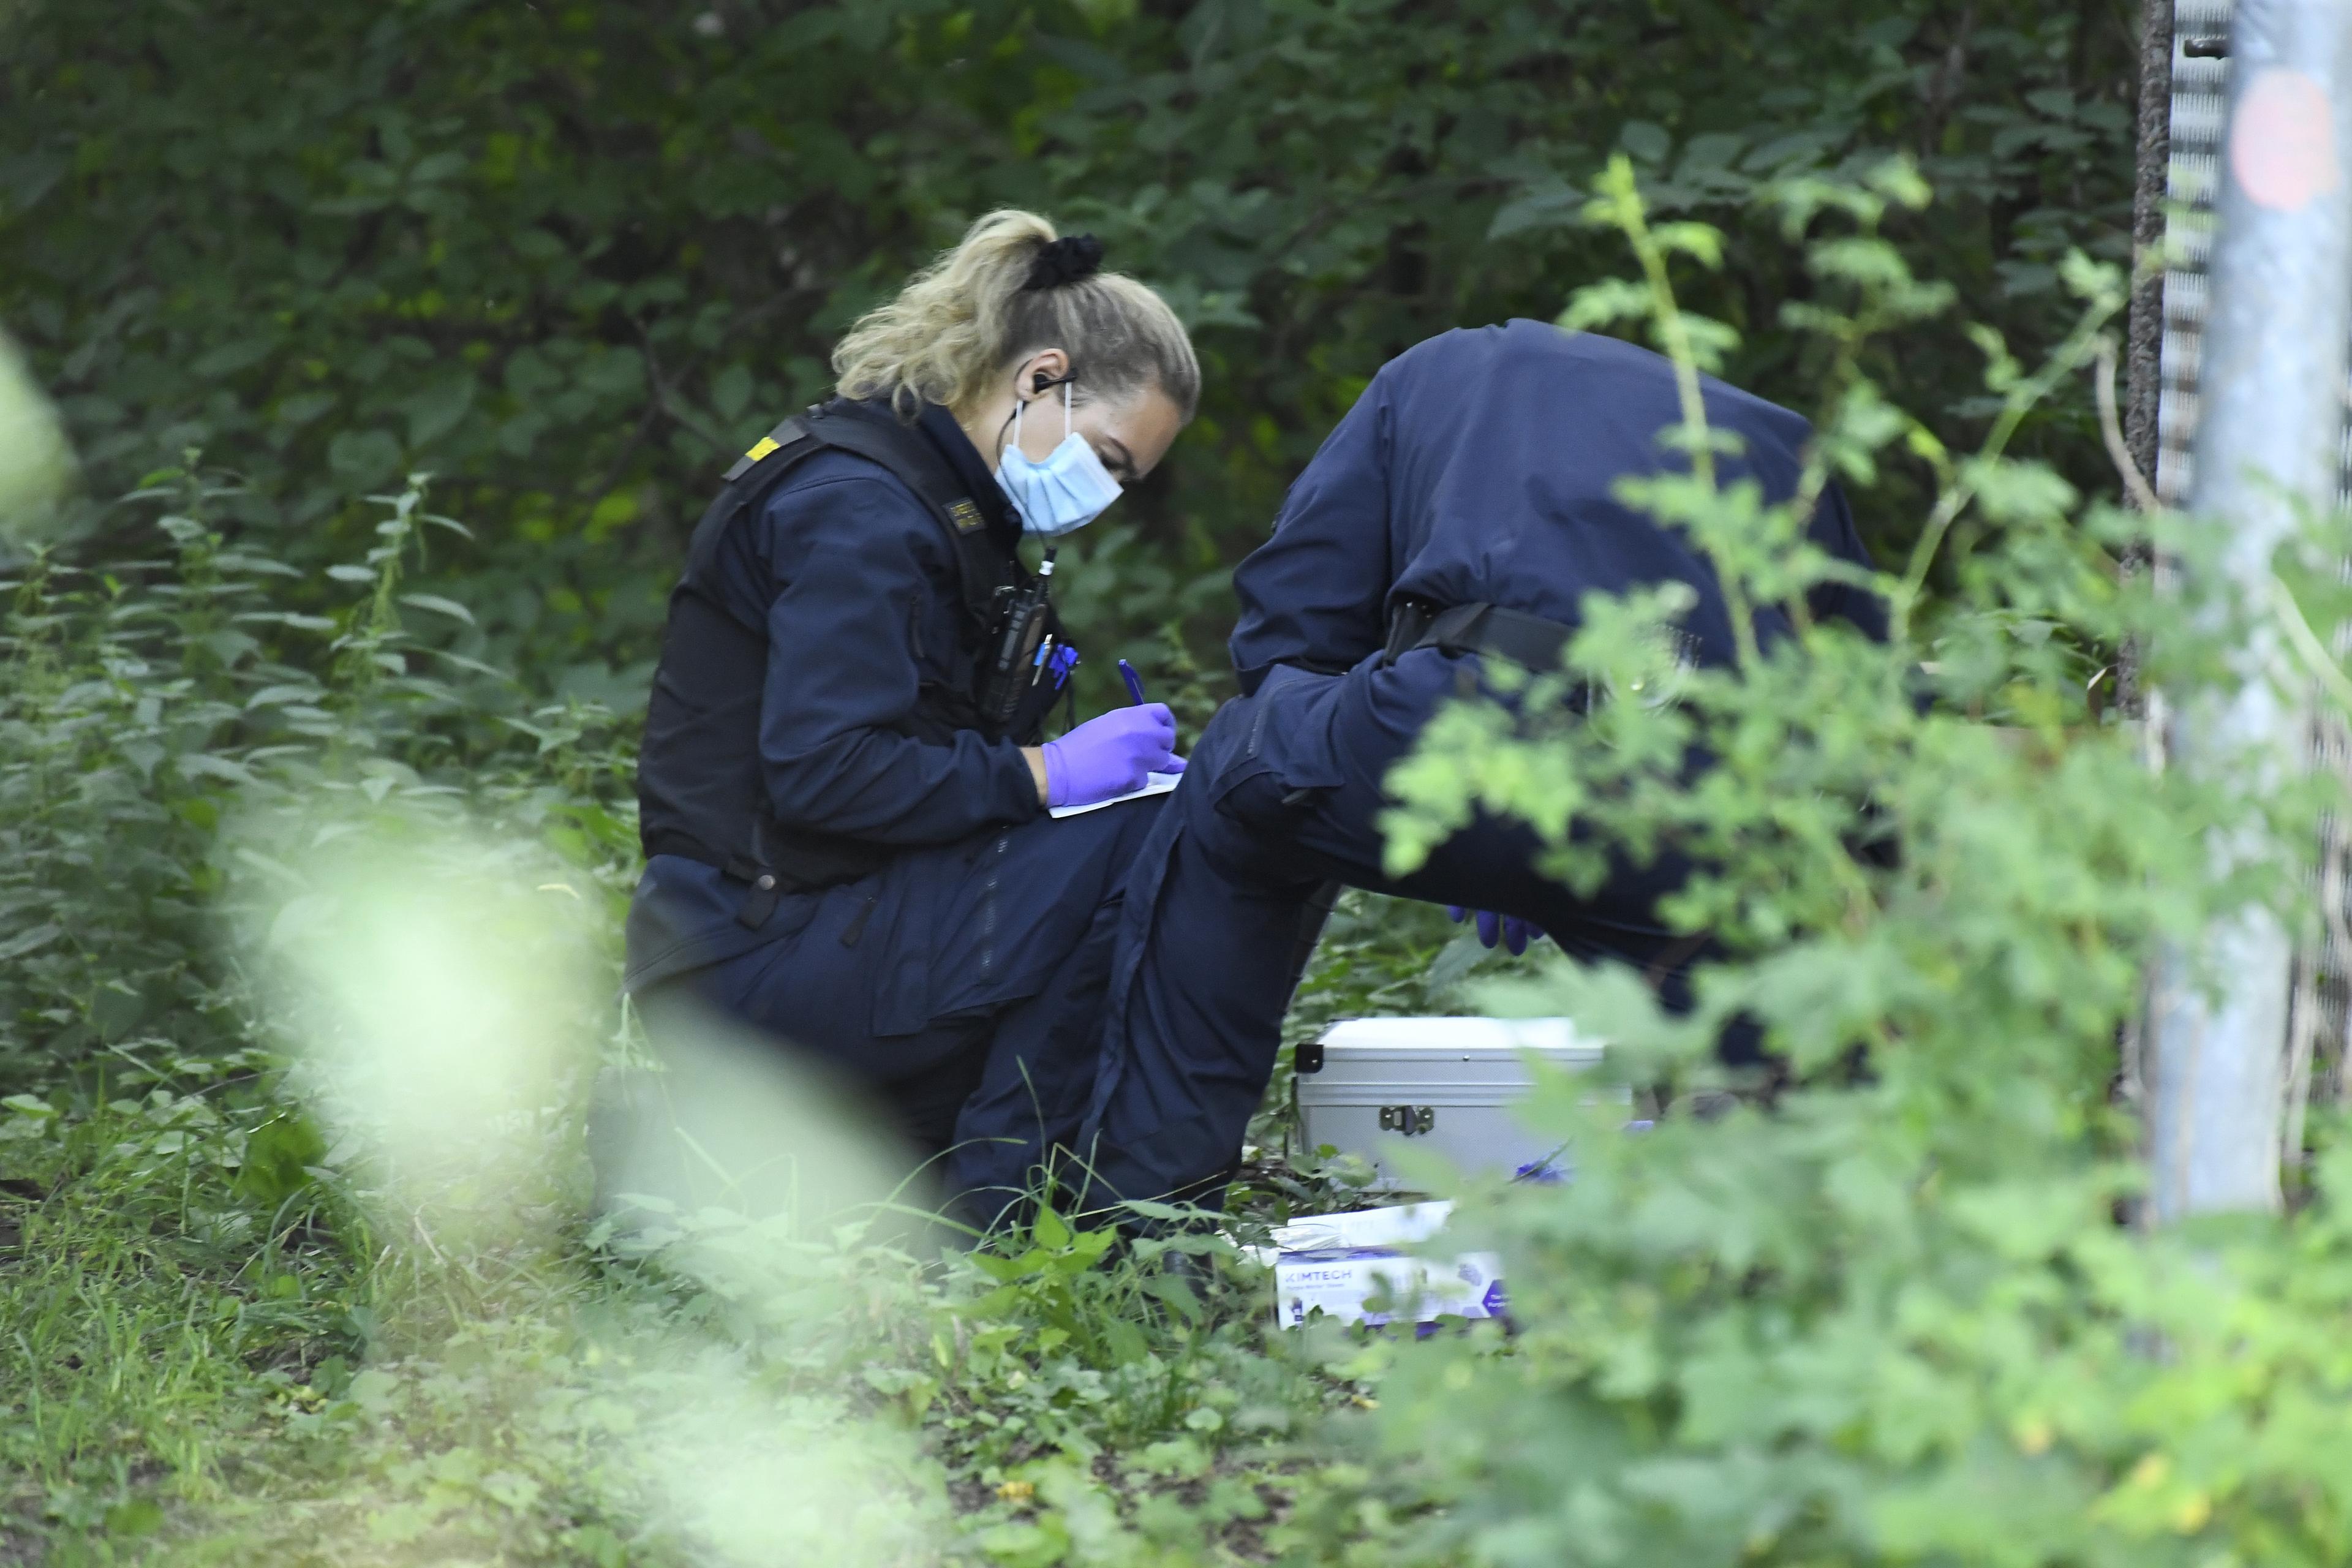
pixel 238 1333
pixel 1068 1362
pixel 572 258
pixel 147 702
pixel 1893 1310
pixel 164 1273
pixel 181 1248
pixel 1893 1306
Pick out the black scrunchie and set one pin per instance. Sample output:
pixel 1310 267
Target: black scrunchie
pixel 1072 258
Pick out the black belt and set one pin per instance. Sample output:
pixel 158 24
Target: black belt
pixel 1486 629
pixel 1524 639
pixel 809 863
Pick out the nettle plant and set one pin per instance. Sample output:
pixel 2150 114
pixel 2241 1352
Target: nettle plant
pixel 147 702
pixel 1896 1304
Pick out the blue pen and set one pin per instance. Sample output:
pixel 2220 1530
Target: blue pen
pixel 1134 681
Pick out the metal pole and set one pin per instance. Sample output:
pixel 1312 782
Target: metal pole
pixel 2273 396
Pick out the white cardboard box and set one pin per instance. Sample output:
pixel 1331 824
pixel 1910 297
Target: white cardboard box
pixel 1422 1289
pixel 1372 1086
pixel 1338 1263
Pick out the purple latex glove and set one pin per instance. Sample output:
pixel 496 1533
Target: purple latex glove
pixel 1514 932
pixel 1111 754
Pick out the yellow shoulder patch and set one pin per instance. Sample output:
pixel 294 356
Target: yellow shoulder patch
pixel 761 449
pixel 963 514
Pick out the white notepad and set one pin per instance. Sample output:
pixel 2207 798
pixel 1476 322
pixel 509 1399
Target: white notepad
pixel 1154 783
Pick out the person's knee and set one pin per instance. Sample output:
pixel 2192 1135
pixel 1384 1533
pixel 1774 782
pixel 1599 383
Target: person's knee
pixel 1133 821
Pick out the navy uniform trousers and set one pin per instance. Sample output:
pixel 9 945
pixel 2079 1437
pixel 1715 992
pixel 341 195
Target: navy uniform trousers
pixel 1283 796
pixel 961 987
pixel 1481 467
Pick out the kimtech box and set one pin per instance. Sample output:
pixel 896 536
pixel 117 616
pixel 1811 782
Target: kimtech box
pixel 1337 1263
pixel 1370 1086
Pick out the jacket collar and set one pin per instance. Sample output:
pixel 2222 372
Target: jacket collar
pixel 973 469
pixel 970 470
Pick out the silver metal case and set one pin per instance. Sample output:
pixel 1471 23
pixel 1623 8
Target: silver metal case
pixel 1371 1086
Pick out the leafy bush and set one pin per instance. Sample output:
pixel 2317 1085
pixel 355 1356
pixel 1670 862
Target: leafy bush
pixel 1893 1308
pixel 1891 1304
pixel 251 1326
pixel 574 258
pixel 180 1257
pixel 147 701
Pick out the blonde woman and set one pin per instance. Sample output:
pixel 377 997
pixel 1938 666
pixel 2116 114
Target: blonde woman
pixel 843 787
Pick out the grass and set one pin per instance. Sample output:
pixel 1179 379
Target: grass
pixel 222 1339
pixel 221 1346
pixel 152 1315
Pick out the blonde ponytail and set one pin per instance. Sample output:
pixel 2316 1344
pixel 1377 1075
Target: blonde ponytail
pixel 970 314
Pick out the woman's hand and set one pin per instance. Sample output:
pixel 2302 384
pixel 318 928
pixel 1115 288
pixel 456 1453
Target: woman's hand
pixel 1108 755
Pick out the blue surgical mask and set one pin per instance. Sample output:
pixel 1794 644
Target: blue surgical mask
pixel 1067 492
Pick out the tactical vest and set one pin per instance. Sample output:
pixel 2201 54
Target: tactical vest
pixel 700 793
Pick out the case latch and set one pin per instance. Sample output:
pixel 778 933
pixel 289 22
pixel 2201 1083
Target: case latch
pixel 1410 1120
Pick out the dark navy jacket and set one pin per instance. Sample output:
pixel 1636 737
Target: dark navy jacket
pixel 859 587
pixel 1477 467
